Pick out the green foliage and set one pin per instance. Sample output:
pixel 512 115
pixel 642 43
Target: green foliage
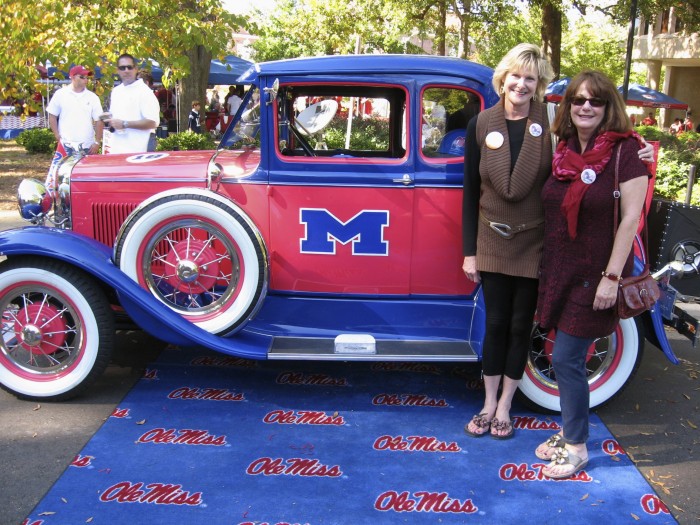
pixel 494 41
pixel 366 134
pixel 186 141
pixel 37 140
pixel 594 47
pixel 95 33
pixel 676 155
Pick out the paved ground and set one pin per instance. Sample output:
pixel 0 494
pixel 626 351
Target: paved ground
pixel 656 420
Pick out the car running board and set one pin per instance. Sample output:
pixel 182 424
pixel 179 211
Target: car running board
pixel 361 347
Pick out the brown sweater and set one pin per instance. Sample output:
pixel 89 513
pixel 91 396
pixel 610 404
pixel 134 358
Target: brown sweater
pixel 512 198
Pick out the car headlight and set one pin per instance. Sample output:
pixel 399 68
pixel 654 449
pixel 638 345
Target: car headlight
pixel 33 198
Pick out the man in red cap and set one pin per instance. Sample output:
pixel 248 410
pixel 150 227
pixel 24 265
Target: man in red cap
pixel 74 114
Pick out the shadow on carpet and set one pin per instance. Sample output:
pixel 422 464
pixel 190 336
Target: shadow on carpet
pixel 209 439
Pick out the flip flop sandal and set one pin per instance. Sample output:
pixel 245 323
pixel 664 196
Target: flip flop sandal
pixel 480 421
pixel 553 443
pixel 500 426
pixel 562 456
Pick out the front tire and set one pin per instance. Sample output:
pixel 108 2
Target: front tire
pixel 611 364
pixel 198 254
pixel 57 329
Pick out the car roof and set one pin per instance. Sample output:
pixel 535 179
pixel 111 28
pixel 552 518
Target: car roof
pixel 371 64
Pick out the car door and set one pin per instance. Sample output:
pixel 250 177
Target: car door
pixel 341 188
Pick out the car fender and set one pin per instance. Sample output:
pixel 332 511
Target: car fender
pixel 144 309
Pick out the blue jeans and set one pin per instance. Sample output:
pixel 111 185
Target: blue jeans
pixel 70 150
pixel 569 360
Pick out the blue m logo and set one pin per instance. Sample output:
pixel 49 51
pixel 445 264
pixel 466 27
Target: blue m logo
pixel 365 230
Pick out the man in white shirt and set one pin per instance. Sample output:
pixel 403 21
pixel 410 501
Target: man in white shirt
pixel 134 110
pixel 74 114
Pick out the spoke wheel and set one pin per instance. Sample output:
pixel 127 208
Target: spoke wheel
pixel 200 255
pixel 57 329
pixel 611 363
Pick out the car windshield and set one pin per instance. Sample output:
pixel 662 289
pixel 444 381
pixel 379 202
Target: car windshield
pixel 246 124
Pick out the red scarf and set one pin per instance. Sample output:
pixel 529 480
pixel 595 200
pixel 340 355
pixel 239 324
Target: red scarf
pixel 568 165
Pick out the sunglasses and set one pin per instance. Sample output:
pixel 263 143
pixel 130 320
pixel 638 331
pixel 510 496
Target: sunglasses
pixel 125 68
pixel 595 102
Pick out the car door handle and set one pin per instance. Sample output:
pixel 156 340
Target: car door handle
pixel 405 180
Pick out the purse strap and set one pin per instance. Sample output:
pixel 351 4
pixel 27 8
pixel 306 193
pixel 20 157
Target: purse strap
pixel 616 196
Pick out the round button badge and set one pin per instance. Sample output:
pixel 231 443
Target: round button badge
pixel 588 176
pixel 494 140
pixel 535 130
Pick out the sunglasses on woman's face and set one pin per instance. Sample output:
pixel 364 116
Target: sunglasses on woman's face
pixel 593 101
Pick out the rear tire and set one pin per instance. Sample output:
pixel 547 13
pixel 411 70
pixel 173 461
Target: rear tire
pixel 611 364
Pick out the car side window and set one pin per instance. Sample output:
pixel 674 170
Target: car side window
pixel 337 121
pixel 445 113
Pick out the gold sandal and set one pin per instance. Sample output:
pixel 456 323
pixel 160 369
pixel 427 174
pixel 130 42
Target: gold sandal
pixel 553 443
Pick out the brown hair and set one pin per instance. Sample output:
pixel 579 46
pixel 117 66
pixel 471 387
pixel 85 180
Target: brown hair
pixel 598 85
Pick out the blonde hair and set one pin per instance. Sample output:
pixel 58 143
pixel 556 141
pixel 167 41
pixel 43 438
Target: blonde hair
pixel 598 85
pixel 195 103
pixel 524 57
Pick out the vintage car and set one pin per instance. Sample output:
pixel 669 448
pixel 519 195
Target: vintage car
pixel 327 225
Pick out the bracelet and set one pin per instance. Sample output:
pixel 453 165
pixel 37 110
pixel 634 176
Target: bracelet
pixel 611 276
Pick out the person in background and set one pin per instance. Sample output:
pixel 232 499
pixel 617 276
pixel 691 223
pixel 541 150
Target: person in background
pixel 508 158
pixel 676 127
pixel 74 114
pixel 193 121
pixel 234 102
pixel 688 123
pixel 649 120
pixel 585 261
pixel 134 111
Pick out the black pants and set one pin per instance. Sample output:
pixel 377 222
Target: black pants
pixel 510 309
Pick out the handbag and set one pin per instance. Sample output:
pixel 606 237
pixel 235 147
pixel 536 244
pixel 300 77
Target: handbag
pixel 638 293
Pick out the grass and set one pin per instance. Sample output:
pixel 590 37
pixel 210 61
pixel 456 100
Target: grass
pixel 16 164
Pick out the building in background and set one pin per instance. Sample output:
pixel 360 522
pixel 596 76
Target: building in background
pixel 671 51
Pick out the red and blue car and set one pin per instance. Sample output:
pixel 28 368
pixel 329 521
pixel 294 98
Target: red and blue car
pixel 327 225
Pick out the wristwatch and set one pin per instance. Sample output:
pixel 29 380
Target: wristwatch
pixel 125 123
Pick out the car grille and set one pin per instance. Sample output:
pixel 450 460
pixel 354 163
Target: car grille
pixel 107 218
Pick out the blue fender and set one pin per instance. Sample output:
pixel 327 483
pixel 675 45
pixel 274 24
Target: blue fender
pixel 657 321
pixel 146 311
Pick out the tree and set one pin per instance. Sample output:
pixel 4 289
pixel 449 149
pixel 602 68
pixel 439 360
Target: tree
pixel 179 34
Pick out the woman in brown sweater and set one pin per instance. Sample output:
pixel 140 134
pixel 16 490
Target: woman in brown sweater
pixel 508 159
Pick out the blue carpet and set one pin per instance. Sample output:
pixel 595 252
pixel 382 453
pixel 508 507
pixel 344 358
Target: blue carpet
pixel 209 439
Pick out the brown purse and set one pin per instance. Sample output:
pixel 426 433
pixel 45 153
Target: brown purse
pixel 637 293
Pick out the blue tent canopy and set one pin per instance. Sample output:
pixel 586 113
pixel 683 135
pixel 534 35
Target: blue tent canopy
pixel 225 72
pixel 643 96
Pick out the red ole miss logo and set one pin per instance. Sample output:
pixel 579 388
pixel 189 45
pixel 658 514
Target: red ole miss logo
pixel 303 417
pixel 81 461
pixel 414 444
pixel 158 493
pixel 525 472
pixel 120 412
pixel 421 368
pixel 37 522
pixel 171 436
pixel 292 467
pixel 651 504
pixel 227 361
pixel 205 394
pixel 299 378
pixel 440 502
pixel 533 423
pixel 409 400
pixel 612 448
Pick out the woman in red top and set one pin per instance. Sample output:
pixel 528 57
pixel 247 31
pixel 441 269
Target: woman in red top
pixel 583 262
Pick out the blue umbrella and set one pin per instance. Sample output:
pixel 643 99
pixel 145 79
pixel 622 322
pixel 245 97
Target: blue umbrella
pixel 643 96
pixel 555 90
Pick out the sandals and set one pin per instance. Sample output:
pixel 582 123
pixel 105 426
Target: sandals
pixel 500 426
pixel 555 442
pixel 481 423
pixel 562 456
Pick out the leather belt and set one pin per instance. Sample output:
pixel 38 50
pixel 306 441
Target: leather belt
pixel 506 230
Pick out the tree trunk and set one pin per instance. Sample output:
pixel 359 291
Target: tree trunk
pixel 194 86
pixel 442 29
pixel 551 34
